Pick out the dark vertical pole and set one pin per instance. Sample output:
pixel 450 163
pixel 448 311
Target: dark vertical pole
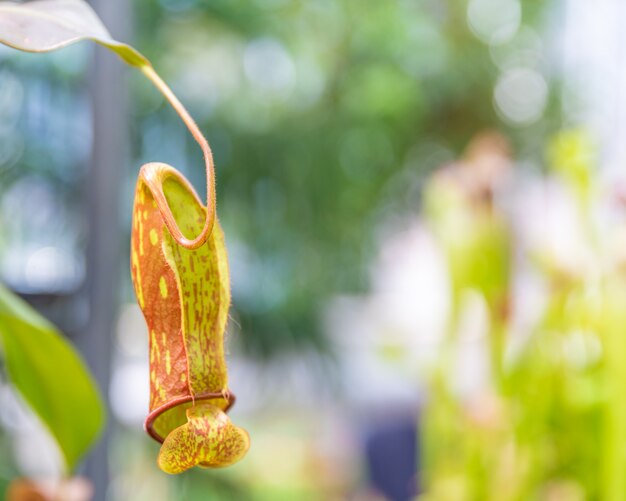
pixel 104 188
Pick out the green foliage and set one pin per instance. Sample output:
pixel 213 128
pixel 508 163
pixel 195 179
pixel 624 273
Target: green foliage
pixel 383 92
pixel 51 377
pixel 550 421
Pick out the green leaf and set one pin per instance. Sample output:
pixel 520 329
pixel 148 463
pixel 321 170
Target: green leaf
pixel 47 25
pixel 51 377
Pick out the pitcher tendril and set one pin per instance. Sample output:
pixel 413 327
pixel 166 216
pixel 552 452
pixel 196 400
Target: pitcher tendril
pixel 149 72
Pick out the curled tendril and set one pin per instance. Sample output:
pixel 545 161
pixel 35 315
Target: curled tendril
pixel 155 183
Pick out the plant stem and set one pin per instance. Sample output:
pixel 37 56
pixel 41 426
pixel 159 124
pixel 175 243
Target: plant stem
pixel 169 219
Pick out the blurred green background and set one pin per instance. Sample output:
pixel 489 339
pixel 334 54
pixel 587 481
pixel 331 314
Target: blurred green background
pixel 325 118
pixel 406 187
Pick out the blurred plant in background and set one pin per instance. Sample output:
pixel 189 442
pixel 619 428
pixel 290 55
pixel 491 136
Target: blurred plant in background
pixel 325 117
pixel 539 304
